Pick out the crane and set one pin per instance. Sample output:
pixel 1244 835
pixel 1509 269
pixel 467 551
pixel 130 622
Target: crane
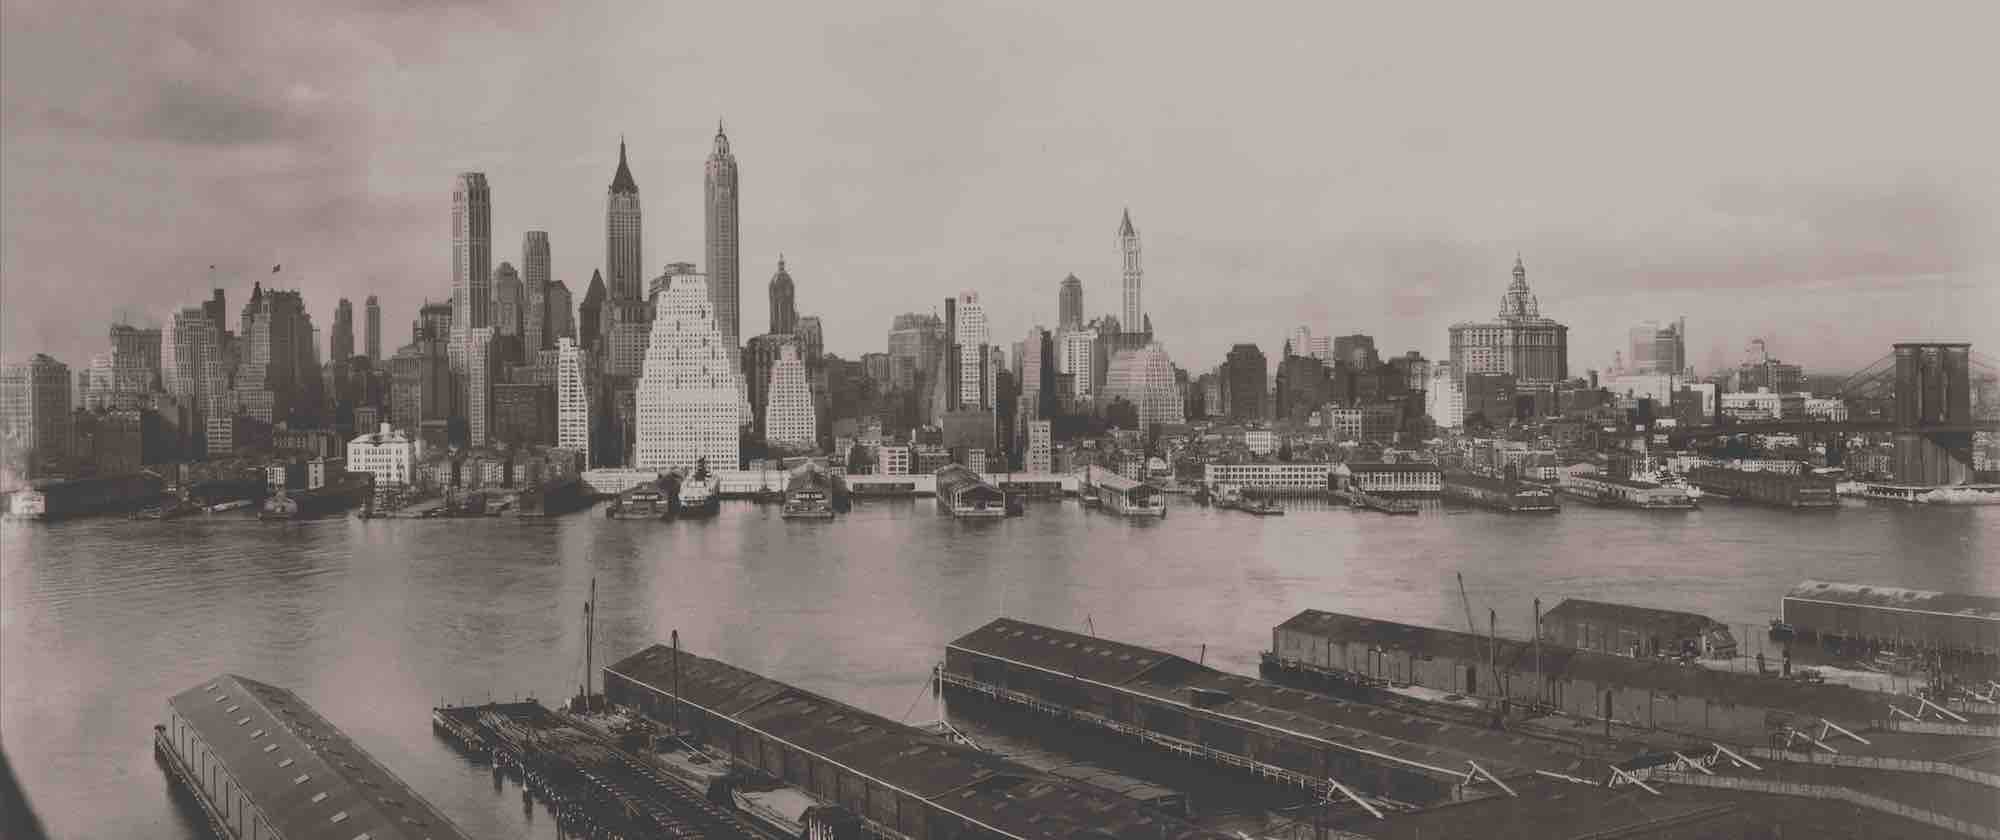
pixel 1469 626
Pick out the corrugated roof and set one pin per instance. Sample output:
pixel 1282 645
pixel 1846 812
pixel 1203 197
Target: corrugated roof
pixel 304 775
pixel 1984 607
pixel 1010 797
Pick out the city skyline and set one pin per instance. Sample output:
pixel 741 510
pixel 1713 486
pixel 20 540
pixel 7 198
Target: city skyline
pixel 1742 238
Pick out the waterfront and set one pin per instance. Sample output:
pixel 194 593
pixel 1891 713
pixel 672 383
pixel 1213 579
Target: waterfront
pixel 102 620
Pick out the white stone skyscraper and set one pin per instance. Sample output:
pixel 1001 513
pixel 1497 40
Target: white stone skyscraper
pixel 690 402
pixel 788 417
pixel 1134 317
pixel 535 279
pixel 721 183
pixel 479 380
pixel 624 258
pixel 575 380
pixel 471 260
pixel 974 390
pixel 191 369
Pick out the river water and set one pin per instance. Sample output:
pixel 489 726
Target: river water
pixel 375 622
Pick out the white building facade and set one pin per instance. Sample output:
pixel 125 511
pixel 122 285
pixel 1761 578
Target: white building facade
pixel 972 339
pixel 388 455
pixel 788 415
pixel 1145 378
pixel 690 400
pixel 573 389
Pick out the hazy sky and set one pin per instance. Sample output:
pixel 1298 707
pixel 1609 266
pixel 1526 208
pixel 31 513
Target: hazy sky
pixel 1826 178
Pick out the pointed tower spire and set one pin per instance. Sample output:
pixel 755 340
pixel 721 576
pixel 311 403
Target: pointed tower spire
pixel 1125 226
pixel 621 181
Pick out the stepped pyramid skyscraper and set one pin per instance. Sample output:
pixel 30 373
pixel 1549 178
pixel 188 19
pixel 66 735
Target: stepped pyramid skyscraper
pixel 690 401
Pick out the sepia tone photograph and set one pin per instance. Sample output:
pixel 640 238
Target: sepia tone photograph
pixel 901 420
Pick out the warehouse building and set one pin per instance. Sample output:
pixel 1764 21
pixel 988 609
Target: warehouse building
pixel 1636 631
pixel 263 764
pixel 1891 616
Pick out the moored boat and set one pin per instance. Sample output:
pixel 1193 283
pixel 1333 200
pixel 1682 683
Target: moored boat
pixel 699 495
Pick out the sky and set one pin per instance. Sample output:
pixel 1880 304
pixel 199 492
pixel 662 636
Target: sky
pixel 1820 175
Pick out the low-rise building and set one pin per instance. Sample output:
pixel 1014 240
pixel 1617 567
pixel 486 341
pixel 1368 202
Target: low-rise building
pixel 1398 478
pixel 1286 477
pixel 892 460
pixel 389 455
pixel 1635 631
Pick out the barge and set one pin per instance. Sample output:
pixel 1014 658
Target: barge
pixel 1509 495
pixel 304 504
pixel 1766 488
pixel 1606 491
pixel 58 499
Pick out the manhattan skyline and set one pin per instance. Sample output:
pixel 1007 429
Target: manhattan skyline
pixel 1391 203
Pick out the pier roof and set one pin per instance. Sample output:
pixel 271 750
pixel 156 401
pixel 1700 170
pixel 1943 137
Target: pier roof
pixel 1009 797
pixel 306 778
pixel 1565 663
pixel 1984 607
pixel 1430 745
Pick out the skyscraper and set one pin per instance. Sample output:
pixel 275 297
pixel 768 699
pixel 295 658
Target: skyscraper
pixel 914 342
pixel 192 370
pixel 1244 377
pixel 689 403
pixel 788 414
pixel 1519 340
pixel 135 359
pixel 1145 378
pixel 576 381
pixel 374 337
pixel 343 331
pixel 561 313
pixel 722 185
pixel 975 385
pixel 624 259
pixel 508 300
pixel 784 308
pixel 35 412
pixel 1069 304
pixel 471 259
pixel 535 288
pixel 278 372
pixel 590 316
pixel 1128 248
pixel 1657 349
pixel 479 380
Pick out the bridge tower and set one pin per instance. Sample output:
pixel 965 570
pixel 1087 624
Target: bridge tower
pixel 1933 395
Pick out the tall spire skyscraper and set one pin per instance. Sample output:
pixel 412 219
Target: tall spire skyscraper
pixel 1128 246
pixel 374 315
pixel 471 260
pixel 784 308
pixel 535 288
pixel 623 235
pixel 722 265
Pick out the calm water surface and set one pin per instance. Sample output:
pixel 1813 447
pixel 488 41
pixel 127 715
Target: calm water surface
pixel 375 622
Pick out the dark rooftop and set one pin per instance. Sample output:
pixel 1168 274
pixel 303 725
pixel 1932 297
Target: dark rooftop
pixel 1670 623
pixel 307 778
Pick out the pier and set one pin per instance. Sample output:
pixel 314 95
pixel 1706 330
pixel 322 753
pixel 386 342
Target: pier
pixel 902 782
pixel 595 788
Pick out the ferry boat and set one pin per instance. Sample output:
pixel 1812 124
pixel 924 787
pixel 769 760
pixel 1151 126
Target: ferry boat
pixel 646 501
pixel 1618 492
pixel 963 494
pixel 1765 487
pixel 1499 493
pixel 699 495
pixel 808 494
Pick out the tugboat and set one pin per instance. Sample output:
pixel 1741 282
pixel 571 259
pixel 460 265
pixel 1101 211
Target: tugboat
pixel 698 494
pixel 1230 497
pixel 171 510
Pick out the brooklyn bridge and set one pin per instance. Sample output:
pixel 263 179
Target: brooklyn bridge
pixel 1920 394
